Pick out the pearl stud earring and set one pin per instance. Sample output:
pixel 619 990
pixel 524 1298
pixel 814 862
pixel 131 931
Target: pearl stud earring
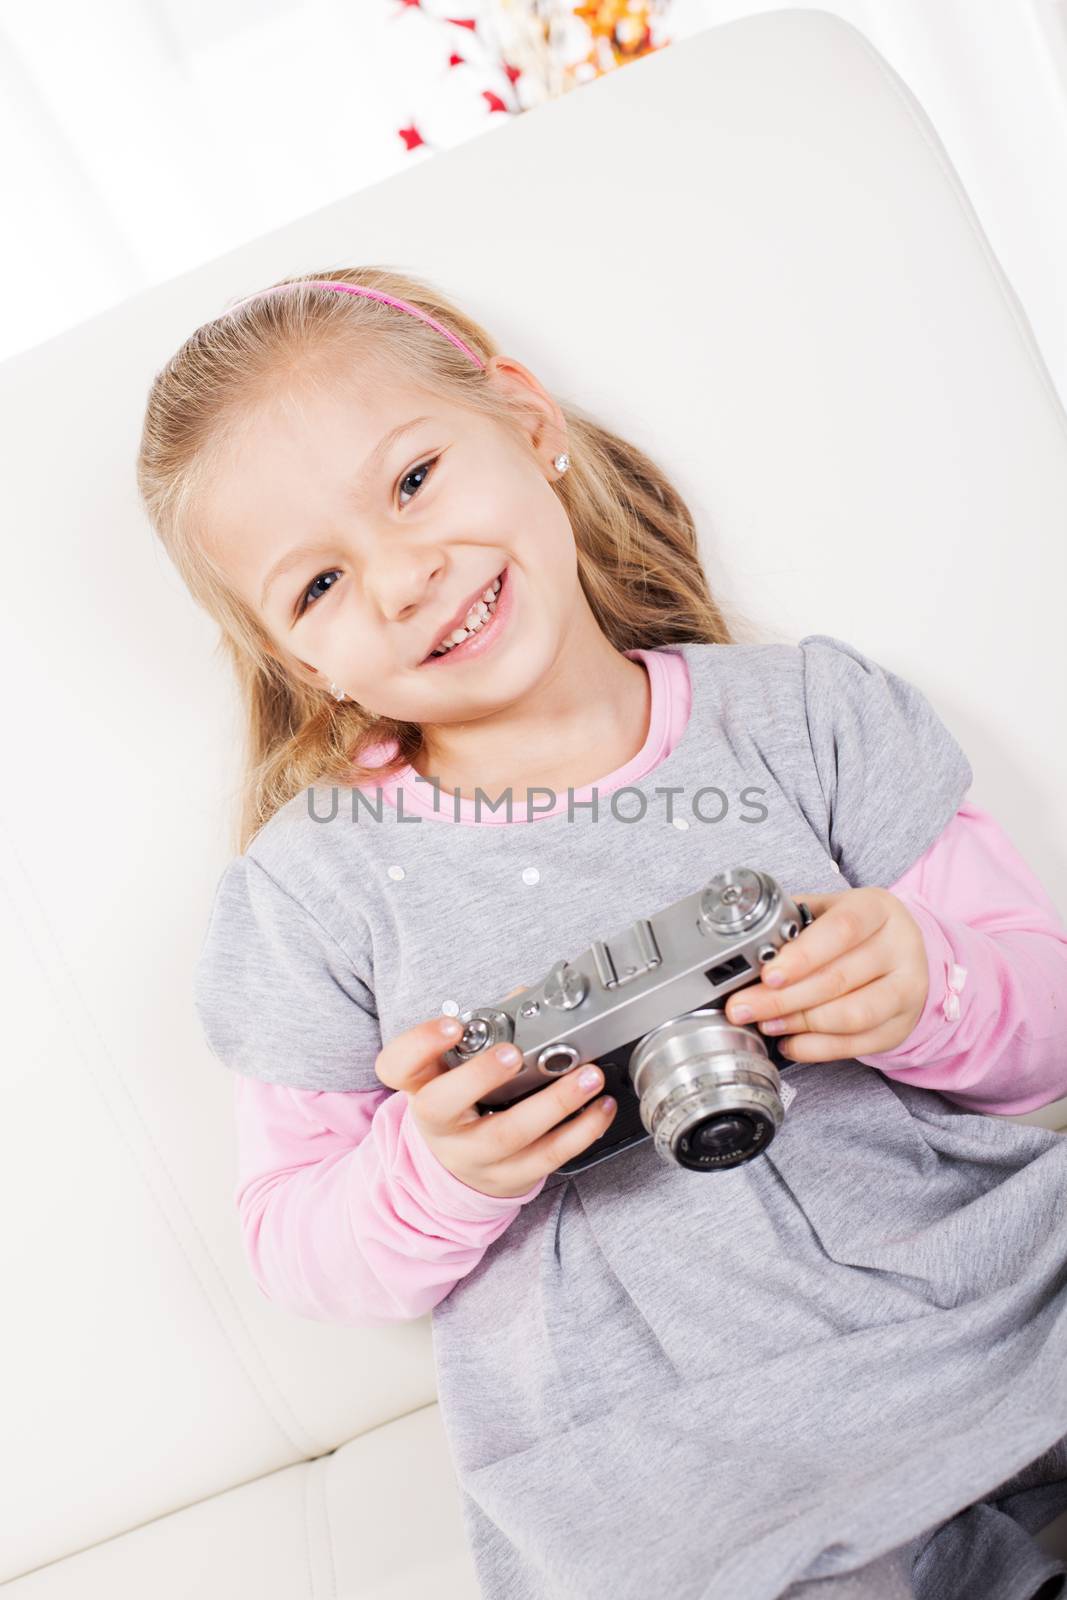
pixel 337 693
pixel 562 462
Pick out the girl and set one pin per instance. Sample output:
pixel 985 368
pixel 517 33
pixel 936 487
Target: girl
pixel 465 620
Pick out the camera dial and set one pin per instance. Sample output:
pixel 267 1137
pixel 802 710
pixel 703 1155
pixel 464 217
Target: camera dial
pixel 565 987
pixel 735 900
pixel 483 1028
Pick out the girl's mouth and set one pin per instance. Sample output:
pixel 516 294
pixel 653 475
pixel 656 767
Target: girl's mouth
pixel 486 636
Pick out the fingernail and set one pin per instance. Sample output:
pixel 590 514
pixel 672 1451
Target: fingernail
pixel 775 979
pixel 589 1078
pixel 741 1014
pixel 509 1054
pixel 449 1026
pixel 775 1026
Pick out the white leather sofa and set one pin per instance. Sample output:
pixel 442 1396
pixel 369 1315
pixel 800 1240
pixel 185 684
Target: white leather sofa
pixel 749 251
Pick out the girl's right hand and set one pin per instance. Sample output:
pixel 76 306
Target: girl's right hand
pixel 504 1153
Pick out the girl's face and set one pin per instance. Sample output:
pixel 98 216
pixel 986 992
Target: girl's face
pixel 357 544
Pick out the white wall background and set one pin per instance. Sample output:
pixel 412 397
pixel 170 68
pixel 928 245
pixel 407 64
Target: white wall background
pixel 139 138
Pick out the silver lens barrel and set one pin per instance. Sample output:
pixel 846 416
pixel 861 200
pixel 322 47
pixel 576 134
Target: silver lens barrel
pixel 707 1091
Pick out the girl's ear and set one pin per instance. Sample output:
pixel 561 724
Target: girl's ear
pixel 509 373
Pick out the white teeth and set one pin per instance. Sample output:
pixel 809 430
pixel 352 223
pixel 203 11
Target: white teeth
pixel 476 618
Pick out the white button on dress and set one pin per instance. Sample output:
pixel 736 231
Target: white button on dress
pixel 530 875
pixel 396 873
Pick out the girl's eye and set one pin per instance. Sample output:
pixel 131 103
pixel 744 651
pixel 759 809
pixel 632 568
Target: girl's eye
pixel 308 597
pixel 426 466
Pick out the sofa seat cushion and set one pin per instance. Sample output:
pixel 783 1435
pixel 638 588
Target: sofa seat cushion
pixel 379 1517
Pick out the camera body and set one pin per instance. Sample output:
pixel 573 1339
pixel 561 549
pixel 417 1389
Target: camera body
pixel 647 1006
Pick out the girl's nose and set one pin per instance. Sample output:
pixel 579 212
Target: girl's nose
pixel 402 582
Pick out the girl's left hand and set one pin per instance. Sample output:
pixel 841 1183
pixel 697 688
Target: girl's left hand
pixel 852 983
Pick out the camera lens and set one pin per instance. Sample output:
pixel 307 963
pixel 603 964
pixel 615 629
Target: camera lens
pixel 724 1140
pixel 707 1091
pixel 723 1135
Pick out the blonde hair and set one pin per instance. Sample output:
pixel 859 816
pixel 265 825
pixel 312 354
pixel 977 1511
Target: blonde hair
pixel 637 554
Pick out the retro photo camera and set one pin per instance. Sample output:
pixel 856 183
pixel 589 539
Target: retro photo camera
pixel 647 1006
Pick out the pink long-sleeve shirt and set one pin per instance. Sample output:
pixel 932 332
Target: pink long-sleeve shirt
pixel 347 1215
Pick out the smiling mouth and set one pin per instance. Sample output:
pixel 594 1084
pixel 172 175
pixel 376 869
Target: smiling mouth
pixel 480 614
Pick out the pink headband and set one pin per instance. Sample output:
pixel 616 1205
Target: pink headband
pixel 371 294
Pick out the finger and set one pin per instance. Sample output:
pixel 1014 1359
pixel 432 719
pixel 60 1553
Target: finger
pixel 817 903
pixel 859 1011
pixel 565 1141
pixel 452 1106
pixel 851 917
pixel 858 966
pixel 449 1102
pixel 837 1047
pixel 413 1057
pixel 512 1129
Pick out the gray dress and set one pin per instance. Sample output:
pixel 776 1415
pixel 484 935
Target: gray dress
pixel 656 1381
